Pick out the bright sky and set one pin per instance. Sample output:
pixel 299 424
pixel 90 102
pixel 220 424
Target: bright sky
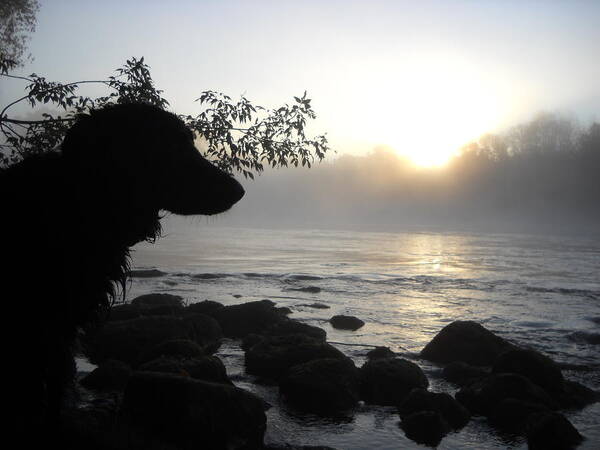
pixel 422 77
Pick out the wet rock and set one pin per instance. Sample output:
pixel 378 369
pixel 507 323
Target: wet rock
pixel 168 410
pixel 465 341
pixel 254 317
pixel 425 427
pixel 290 326
pixel 297 447
pixel 207 331
pixel 461 373
pixel 388 381
pixel 126 340
pixel 148 301
pixel 585 337
pixel 511 414
pixel 90 428
pixel 483 396
pixel 124 311
pixel 380 352
pixel 176 348
pixel 208 368
pixel 576 395
pixel 322 385
pixel 342 322
pixel 251 339
pixel 453 413
pixel 540 369
pixel 284 310
pixel 203 307
pixel 551 431
pixel 146 273
pixel 314 305
pixel 274 355
pixel 110 375
pixel 309 289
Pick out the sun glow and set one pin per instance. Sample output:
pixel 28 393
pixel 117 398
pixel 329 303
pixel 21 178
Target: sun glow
pixel 437 109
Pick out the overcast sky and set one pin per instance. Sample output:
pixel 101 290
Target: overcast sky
pixel 413 75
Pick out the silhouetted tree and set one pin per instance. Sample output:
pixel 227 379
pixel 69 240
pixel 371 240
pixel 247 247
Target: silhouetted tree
pixel 17 21
pixel 235 134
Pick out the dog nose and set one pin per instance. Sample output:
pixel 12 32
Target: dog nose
pixel 237 191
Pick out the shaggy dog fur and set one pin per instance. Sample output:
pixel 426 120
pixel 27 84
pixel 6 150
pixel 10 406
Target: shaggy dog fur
pixel 68 221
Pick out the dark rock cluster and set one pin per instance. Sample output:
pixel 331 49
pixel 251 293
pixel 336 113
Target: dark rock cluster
pixel 171 389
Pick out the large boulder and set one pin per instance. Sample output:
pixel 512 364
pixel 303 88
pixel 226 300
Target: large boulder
pixel 254 317
pixel 203 307
pixel 124 311
pixel 207 331
pixel 128 340
pixel 425 427
pixel 484 395
pixel 387 381
pixel 273 356
pixel 511 415
pixel 531 364
pixel 451 411
pixel 176 348
pixel 342 322
pixel 169 411
pixel 465 341
pixel 380 352
pixel 463 374
pixel 551 431
pixel 322 385
pixel 208 368
pixel 290 326
pixel 164 302
pixel 110 375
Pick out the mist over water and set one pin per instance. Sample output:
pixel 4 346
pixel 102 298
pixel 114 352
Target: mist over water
pixel 540 176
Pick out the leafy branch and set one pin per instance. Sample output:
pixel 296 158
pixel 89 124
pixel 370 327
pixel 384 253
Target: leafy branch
pixel 235 134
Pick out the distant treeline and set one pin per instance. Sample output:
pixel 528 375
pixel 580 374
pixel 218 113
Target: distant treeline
pixel 541 175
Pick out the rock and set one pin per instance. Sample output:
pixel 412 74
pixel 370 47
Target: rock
pixel 585 337
pixel 483 396
pixel 309 289
pixel 110 375
pixel 207 331
pixel 576 395
pixel 380 352
pixel 161 410
pixel 346 322
pixel 148 301
pixel 204 307
pixel 126 340
pixel 289 326
pixel 551 431
pixel 208 368
pixel 463 374
pixel 146 273
pixel 89 428
pixel 540 369
pixel 511 415
pixel 176 348
pixel 251 339
pixel 297 447
pixel 124 311
pixel 465 341
pixel 254 317
pixel 314 305
pixel 453 413
pixel 388 381
pixel 425 427
pixel 322 385
pixel 274 355
pixel 284 310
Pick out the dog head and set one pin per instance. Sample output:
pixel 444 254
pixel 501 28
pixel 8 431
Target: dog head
pixel 147 155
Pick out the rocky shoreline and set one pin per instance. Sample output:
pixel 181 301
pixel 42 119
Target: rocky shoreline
pixel 158 384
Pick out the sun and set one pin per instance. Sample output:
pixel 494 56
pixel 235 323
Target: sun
pixel 436 112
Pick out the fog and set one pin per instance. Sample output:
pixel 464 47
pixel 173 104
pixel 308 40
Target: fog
pixel 540 176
